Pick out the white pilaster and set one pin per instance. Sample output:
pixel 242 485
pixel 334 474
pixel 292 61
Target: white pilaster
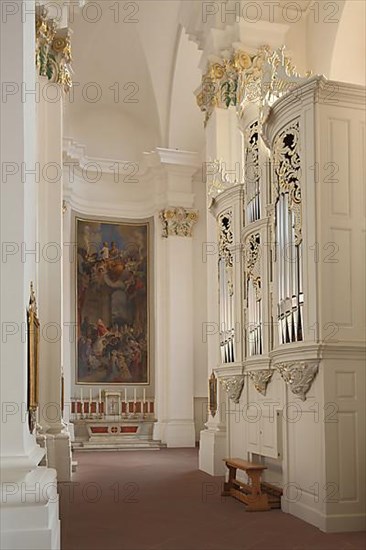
pixel 223 144
pixel 174 279
pixel 50 277
pixel 180 424
pixel 29 502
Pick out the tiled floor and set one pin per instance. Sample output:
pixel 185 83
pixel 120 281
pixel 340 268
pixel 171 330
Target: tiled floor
pixel 159 500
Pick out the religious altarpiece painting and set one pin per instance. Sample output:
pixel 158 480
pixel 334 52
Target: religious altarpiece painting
pixel 113 290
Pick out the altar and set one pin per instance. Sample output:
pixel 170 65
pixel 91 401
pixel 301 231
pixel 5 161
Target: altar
pixel 113 423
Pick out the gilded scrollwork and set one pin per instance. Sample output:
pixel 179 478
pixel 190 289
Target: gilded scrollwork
pixel 53 50
pixel 233 385
pixel 287 169
pixel 252 252
pixel 226 238
pixel 178 222
pixel 298 375
pixel 252 150
pixel 261 379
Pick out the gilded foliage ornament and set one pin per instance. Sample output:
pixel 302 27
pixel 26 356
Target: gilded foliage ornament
pixel 233 385
pixel 298 376
pixel 226 237
pixel 287 168
pixel 178 221
pixel 53 50
pixel 245 77
pixel 252 252
pixel 261 379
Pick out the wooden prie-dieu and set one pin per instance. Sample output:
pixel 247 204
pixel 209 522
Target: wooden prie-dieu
pixel 257 495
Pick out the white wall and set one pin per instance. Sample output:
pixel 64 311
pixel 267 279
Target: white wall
pixel 111 133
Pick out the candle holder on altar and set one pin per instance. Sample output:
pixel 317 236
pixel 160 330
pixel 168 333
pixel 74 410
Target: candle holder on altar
pixel 124 410
pixel 131 409
pixel 82 415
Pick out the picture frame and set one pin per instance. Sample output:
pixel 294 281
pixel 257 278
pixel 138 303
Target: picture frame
pixel 33 332
pixel 212 392
pixel 113 287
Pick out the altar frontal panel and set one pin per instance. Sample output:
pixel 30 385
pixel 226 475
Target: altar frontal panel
pixel 112 302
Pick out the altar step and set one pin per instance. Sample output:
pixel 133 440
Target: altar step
pixel 118 446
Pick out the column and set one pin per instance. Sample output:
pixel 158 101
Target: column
pixel 29 501
pixel 177 229
pixel 175 218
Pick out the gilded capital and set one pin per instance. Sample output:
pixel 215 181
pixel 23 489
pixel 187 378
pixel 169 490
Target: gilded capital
pixel 53 50
pixel 178 221
pixel 246 77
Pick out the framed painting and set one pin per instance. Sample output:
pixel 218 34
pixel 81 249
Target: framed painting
pixel 112 302
pixel 33 359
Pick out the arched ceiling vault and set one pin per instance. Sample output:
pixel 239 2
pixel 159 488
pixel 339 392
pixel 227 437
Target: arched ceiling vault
pixel 144 68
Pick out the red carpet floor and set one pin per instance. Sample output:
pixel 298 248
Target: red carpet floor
pixel 160 501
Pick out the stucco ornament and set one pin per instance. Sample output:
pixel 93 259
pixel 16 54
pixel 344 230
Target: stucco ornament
pixel 261 379
pixel 178 222
pixel 233 385
pixel 242 77
pixel 298 376
pixel 53 50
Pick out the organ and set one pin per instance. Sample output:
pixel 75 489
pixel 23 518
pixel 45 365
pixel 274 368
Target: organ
pixel 291 241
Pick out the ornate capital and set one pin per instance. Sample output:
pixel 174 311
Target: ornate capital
pixel 260 379
pixel 298 376
pixel 233 385
pixel 178 221
pixel 246 77
pixel 53 50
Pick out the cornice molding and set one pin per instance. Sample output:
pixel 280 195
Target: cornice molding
pixel 315 90
pixel 184 160
pixel 226 199
pixel 98 186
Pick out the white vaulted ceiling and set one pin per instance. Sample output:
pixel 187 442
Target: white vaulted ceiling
pixel 137 56
pixel 152 54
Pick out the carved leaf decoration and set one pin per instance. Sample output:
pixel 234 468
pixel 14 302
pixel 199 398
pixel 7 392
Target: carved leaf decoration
pixel 233 385
pixel 298 376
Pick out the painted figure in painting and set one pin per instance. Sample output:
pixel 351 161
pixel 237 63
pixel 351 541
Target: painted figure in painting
pixel 112 303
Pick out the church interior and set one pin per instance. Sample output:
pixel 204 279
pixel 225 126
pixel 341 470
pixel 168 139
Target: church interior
pixel 183 241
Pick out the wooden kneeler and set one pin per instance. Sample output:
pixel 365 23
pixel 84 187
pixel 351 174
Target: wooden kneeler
pixel 249 493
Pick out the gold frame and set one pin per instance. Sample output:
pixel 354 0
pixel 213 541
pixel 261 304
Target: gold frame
pixel 212 393
pixel 33 359
pixel 148 222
